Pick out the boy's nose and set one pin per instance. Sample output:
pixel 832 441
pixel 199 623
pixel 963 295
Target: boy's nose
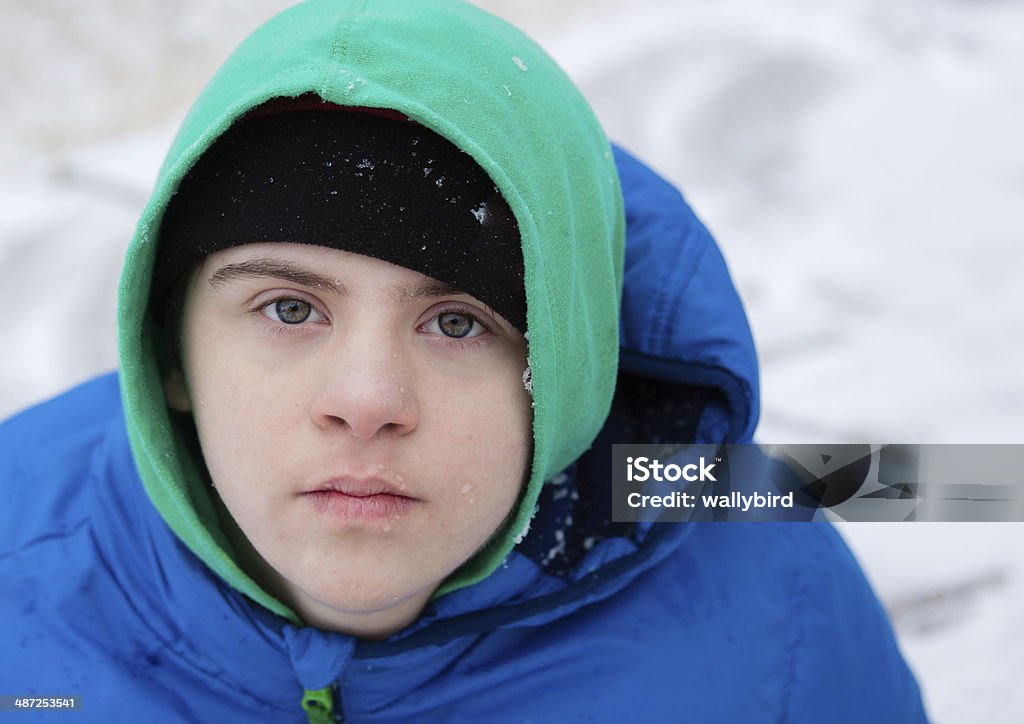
pixel 366 389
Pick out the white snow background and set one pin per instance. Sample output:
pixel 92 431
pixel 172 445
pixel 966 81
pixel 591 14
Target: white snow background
pixel 859 161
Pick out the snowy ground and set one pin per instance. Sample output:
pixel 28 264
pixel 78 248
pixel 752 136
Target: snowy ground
pixel 860 163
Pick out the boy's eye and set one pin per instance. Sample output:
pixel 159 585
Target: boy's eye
pixel 458 325
pixel 289 311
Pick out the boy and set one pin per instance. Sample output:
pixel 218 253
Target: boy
pixel 358 466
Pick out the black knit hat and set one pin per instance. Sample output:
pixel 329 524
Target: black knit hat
pixel 361 180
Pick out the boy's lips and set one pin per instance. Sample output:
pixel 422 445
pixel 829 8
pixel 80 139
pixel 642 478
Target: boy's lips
pixel 360 499
pixel 360 487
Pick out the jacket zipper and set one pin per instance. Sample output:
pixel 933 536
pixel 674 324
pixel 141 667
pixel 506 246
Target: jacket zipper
pixel 319 705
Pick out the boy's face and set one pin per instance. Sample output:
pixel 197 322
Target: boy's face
pixel 365 426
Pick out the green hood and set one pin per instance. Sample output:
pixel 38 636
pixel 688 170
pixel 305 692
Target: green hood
pixel 497 96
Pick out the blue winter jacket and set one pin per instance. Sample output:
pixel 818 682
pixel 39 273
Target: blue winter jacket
pixel 587 621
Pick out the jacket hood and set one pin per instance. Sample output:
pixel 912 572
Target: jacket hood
pixel 683 323
pixel 497 96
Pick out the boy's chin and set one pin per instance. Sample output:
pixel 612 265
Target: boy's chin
pixel 363 606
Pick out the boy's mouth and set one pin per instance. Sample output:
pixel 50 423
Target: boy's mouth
pixel 360 499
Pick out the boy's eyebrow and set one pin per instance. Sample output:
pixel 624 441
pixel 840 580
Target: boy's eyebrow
pixel 275 268
pixel 426 288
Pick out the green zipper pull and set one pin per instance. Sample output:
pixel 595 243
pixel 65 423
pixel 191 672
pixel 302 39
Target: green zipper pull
pixel 319 705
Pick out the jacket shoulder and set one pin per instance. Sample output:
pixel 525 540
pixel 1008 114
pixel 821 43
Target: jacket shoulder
pixel 46 458
pixel 845 663
pixel 791 599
